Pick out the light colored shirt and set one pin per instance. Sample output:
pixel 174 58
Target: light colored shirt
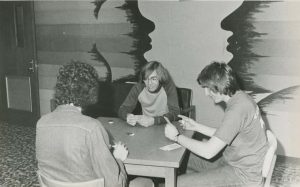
pixel 154 104
pixel 131 102
pixel 72 147
pixel 243 130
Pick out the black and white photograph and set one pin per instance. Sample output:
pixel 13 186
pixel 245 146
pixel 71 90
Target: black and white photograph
pixel 149 93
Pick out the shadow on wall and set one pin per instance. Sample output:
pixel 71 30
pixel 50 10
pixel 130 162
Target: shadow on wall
pixel 141 27
pixel 265 55
pixel 240 22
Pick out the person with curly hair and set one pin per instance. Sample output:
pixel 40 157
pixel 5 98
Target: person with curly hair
pixel 156 92
pixel 241 136
pixel 72 147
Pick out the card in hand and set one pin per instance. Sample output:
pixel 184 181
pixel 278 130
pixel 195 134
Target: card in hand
pixel 170 147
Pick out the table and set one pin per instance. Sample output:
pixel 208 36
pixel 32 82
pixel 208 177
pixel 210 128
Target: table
pixel 145 158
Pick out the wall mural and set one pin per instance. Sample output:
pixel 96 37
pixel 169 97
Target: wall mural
pixel 240 22
pixel 113 36
pixel 244 45
pixel 141 27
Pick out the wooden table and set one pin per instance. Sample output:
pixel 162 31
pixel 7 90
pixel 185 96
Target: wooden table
pixel 145 158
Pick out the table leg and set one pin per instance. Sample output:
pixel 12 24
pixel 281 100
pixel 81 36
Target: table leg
pixel 170 177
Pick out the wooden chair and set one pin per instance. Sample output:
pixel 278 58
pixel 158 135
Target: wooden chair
pixel 48 182
pixel 269 160
pixel 185 96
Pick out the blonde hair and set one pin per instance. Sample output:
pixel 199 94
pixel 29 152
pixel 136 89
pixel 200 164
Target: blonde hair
pixel 162 73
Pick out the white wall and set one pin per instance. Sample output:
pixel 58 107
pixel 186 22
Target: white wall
pixel 187 37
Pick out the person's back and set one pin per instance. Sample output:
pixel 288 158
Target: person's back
pixel 61 148
pixel 246 150
pixel 66 143
pixel 71 147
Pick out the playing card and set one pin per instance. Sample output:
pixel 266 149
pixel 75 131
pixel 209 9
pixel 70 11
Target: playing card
pixel 170 147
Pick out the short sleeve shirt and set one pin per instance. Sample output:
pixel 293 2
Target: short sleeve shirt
pixel 243 131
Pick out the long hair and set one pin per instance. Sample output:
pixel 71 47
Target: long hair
pixel 219 77
pixel 162 73
pixel 77 83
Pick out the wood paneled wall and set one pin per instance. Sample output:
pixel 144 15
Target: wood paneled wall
pixel 67 30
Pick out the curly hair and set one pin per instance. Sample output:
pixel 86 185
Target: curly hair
pixel 219 77
pixel 77 83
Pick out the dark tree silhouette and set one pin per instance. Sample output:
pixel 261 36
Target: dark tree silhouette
pixel 98 4
pixel 99 57
pixel 140 33
pixel 240 22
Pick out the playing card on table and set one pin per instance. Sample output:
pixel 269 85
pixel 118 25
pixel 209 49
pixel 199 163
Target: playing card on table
pixel 170 147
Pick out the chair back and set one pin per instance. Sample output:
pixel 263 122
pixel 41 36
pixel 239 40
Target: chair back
pixel 185 96
pixel 270 158
pixel 48 182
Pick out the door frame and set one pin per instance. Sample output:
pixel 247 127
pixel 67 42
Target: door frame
pixel 6 114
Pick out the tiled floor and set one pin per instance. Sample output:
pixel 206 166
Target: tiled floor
pixel 18 164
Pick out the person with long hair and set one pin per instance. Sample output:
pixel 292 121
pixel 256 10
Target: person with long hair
pixel 241 136
pixel 156 92
pixel 72 147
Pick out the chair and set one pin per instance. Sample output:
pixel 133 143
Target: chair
pixel 269 160
pixel 141 182
pixel 52 104
pixel 185 96
pixel 48 182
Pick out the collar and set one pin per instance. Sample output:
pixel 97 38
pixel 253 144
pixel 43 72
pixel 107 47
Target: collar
pixel 68 107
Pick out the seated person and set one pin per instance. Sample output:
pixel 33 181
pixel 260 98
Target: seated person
pixel 72 147
pixel 241 135
pixel 156 92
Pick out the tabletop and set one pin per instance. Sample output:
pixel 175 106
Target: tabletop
pixel 144 143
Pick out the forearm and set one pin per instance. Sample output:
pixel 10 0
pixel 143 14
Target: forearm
pixel 173 105
pixel 130 103
pixel 124 110
pixel 158 120
pixel 171 115
pixel 206 130
pixel 207 149
pixel 197 147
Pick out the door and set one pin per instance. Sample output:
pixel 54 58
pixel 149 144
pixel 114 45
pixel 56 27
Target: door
pixel 19 96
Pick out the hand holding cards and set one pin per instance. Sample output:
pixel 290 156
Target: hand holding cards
pixel 171 131
pixel 120 151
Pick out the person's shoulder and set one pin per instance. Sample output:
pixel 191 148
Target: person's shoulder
pixel 246 98
pixel 169 84
pixel 84 121
pixel 89 121
pixel 45 118
pixel 138 87
pixel 243 100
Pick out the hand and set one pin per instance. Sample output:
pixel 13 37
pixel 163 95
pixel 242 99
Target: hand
pixel 120 151
pixel 188 123
pixel 131 119
pixel 146 121
pixel 170 130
